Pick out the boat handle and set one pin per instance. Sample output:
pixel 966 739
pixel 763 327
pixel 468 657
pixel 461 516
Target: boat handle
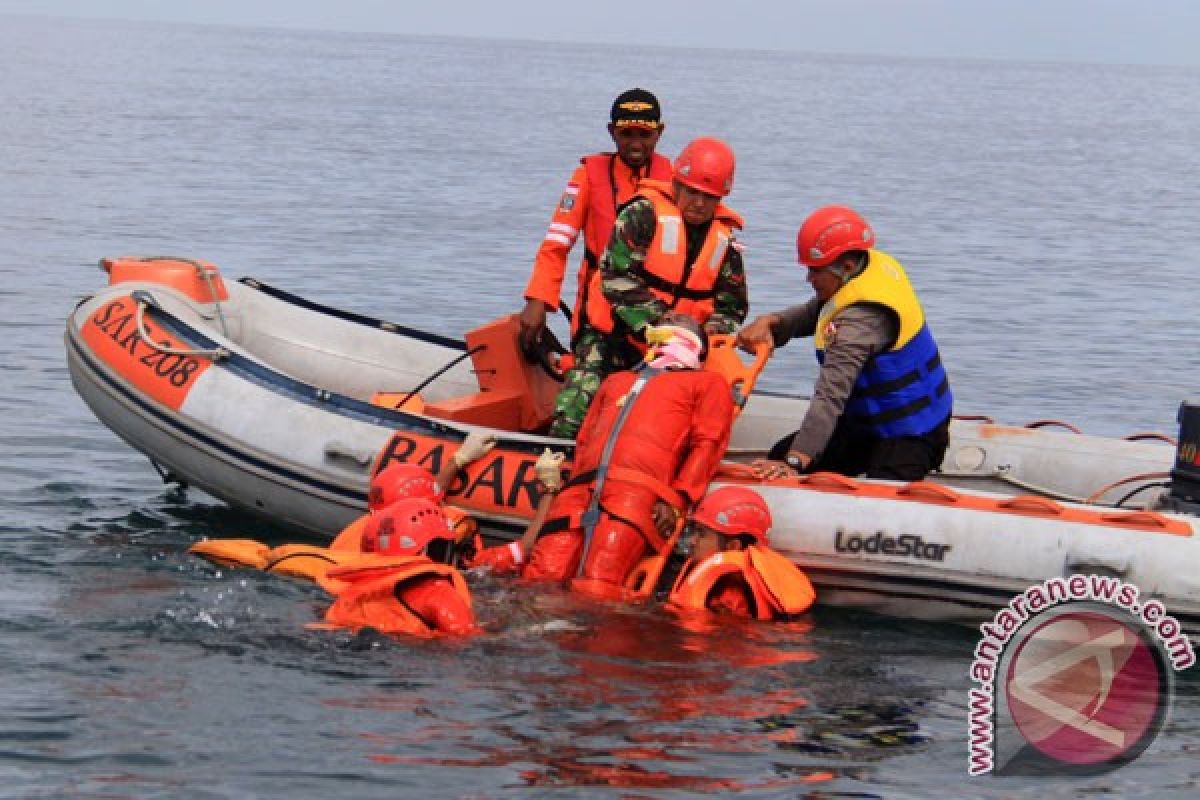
pixel 1052 423
pixel 1151 437
pixel 928 489
pixel 1145 519
pixel 341 450
pixel 830 479
pixel 144 300
pixel 1090 565
pixel 1031 504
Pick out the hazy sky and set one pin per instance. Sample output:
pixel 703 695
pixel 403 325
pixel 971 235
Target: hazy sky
pixel 1106 31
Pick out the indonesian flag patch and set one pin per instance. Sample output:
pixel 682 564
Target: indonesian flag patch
pixel 567 201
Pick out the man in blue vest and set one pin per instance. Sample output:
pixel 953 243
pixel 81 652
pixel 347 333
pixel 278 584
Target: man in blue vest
pixel 882 402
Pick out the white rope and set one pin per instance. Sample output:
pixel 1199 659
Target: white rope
pixel 216 353
pixel 208 280
pixel 1003 473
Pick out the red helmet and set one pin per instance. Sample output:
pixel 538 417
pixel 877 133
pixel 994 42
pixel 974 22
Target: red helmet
pixel 734 510
pixel 398 481
pixel 405 527
pixel 706 164
pixel 830 231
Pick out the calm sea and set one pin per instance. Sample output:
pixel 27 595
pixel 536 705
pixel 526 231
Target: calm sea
pixel 1047 213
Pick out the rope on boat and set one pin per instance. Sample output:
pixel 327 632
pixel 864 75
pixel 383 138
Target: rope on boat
pixel 1145 476
pixel 1044 423
pixel 1157 437
pixel 1004 473
pixel 1155 485
pixel 1001 473
pixel 453 362
pixel 1057 423
pixel 208 280
pixel 216 353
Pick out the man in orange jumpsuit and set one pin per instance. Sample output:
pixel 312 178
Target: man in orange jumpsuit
pixel 648 447
pixel 601 184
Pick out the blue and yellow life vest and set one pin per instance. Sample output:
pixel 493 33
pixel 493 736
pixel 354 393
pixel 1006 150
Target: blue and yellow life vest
pixel 904 391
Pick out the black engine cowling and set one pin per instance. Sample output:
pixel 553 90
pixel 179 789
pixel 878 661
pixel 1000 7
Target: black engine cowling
pixel 1184 494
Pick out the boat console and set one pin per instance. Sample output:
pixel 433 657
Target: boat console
pixel 513 395
pixel 1184 494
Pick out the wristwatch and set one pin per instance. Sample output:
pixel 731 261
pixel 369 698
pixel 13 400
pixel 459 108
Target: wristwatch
pixel 793 461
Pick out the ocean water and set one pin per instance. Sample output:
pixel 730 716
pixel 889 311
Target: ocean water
pixel 1047 214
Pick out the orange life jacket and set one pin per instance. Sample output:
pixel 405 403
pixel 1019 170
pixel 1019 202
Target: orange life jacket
pixel 776 585
pixel 350 537
pixel 605 196
pixel 687 288
pixel 366 596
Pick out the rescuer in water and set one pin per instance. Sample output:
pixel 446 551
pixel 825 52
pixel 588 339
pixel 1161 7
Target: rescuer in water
pixel 731 568
pixel 393 569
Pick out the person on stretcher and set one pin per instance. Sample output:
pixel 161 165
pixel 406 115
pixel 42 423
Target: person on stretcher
pixel 648 447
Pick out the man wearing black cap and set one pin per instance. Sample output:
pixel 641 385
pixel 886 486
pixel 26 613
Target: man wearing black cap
pixel 598 187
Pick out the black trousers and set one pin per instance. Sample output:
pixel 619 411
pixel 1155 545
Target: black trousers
pixel 854 452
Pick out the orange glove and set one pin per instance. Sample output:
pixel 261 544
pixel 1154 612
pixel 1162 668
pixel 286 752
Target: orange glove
pixel 501 559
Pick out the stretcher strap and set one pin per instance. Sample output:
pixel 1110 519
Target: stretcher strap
pixel 592 515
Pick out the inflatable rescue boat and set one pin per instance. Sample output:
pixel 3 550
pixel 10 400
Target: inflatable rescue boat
pixel 285 407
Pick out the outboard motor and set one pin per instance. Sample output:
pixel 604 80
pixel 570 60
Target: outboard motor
pixel 1184 494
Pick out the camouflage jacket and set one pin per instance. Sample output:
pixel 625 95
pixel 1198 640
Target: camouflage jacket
pixel 632 301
